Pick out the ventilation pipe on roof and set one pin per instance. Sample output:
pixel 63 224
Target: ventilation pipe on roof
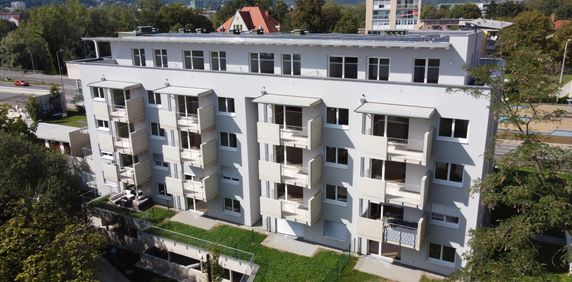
pixel 299 31
pixel 260 31
pixel 96 49
pixel 236 31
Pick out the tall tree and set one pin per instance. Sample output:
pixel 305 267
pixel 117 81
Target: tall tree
pixel 307 15
pixel 530 28
pixel 465 11
pixel 171 17
pixel 5 27
pixel 530 184
pixel 148 11
pixel 279 10
pixel 348 23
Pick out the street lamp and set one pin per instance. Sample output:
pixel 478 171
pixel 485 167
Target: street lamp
pixel 32 59
pixel 562 69
pixel 60 69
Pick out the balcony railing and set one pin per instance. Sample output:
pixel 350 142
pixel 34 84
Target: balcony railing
pixel 203 120
pixel 404 234
pixel 293 211
pixel 133 110
pixel 370 228
pixel 204 189
pixel 397 193
pixel 135 143
pixel 308 177
pixel 201 157
pixel 394 149
pixel 136 174
pixel 307 137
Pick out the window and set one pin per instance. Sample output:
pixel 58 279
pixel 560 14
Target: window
pixel 194 59
pixel 426 71
pixel 449 172
pixel 237 27
pixel 378 69
pixel 262 62
pixel 160 58
pixel 159 162
pixel 218 60
pixel 445 215
pixel 231 205
pixel 335 230
pixel 156 130
pixel 343 67
pixel 336 193
pixel 162 190
pixel 230 175
pixel 98 93
pixel 106 155
pixel 228 140
pixel 153 98
pixel 337 116
pixel 139 57
pixel 454 128
pixel 336 155
pixel 442 253
pixel 102 124
pixel 291 64
pixel 225 105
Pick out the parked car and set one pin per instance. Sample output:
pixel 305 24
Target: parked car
pixel 21 83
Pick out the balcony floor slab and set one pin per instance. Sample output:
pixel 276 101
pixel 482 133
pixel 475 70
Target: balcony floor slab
pixel 393 272
pixel 290 245
pixel 194 219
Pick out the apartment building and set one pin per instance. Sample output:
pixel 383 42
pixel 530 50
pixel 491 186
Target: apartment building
pixel 350 141
pixel 382 15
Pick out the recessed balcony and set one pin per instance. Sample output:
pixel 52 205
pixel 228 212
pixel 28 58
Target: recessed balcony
pixel 128 110
pixel 408 194
pixel 100 110
pixel 308 176
pixel 133 143
pixel 201 157
pixel 105 141
pixel 293 211
pixel 307 137
pixel 405 234
pixel 400 150
pixel 136 174
pixel 204 189
pixel 198 122
pixel 370 228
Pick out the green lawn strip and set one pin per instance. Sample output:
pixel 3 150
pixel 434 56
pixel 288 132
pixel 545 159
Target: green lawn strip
pixel 274 265
pixel 74 119
pixel 349 274
pixel 155 214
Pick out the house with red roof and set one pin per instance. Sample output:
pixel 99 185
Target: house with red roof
pixel 250 18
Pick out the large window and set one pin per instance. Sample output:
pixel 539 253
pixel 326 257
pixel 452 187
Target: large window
pixel 378 69
pixel 442 253
pixel 449 172
pixel 153 98
pixel 228 140
pixel 262 62
pixel 218 60
pixel 337 116
pixel 139 57
pixel 291 64
pixel 160 58
pixel 336 194
pixel 343 67
pixel 231 205
pixel 337 156
pixel 194 59
pixel 156 130
pixel 454 128
pixel 426 71
pixel 225 105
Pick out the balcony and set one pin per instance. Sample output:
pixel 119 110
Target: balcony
pixel 110 172
pixel 105 141
pixel 370 228
pixel 204 190
pixel 293 211
pixel 308 177
pixel 398 150
pixel 299 137
pixel 100 110
pixel 397 193
pixel 136 174
pixel 199 157
pixel 203 120
pixel 133 110
pixel 404 234
pixel 134 144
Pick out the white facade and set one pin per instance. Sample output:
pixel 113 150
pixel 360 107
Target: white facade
pixel 377 145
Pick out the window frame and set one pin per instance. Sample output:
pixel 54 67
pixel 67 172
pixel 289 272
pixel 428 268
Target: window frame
pixel 337 124
pixel 141 57
pixel 440 260
pixel 426 70
pixel 343 66
pixel 155 126
pixel 104 122
pixel 233 206
pixel 378 64
pixel 259 63
pixel 446 213
pixel 166 193
pixel 225 111
pixel 228 141
pixel 452 137
pixel 164 63
pixel 337 157
pixel 153 102
pixel 448 181
pixel 218 60
pixel 98 93
pixel 292 64
pixel 336 200
pixel 160 164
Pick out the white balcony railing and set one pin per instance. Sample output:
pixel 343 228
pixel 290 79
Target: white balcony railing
pixel 134 144
pixel 293 211
pixel 397 193
pixel 308 177
pixel 307 137
pixel 133 110
pixel 405 234
pixel 203 120
pixel 201 157
pixel 394 149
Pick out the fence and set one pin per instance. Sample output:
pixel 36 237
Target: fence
pixel 334 273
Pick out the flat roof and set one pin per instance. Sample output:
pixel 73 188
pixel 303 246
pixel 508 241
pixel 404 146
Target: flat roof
pixel 115 84
pixel 187 91
pixel 396 110
pixel 414 39
pixel 54 132
pixel 275 99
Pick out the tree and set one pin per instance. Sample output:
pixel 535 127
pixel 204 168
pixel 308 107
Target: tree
pixel 329 16
pixel 106 20
pixel 174 16
pixel 15 126
pixel 20 46
pixel 530 28
pixel 506 10
pixel 560 37
pixel 279 10
pixel 33 108
pixel 6 27
pixel 148 11
pixel 348 23
pixel 529 192
pixel 430 12
pixel 307 15
pixel 55 99
pixel 465 11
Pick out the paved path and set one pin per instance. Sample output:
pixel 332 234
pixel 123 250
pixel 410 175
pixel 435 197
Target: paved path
pixel 391 271
pixel 194 219
pixel 286 244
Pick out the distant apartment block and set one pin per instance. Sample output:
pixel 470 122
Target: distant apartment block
pixel 391 15
pixel 349 141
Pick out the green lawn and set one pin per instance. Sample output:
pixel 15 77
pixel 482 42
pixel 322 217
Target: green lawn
pixel 153 214
pixel 274 264
pixel 74 119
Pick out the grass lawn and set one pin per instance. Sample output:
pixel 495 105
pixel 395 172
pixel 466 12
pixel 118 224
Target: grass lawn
pixel 274 264
pixel 74 119
pixel 153 214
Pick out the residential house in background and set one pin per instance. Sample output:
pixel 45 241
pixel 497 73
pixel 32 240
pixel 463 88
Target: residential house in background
pixel 250 19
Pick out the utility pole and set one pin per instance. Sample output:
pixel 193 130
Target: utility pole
pixel 32 59
pixel 562 69
pixel 60 70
